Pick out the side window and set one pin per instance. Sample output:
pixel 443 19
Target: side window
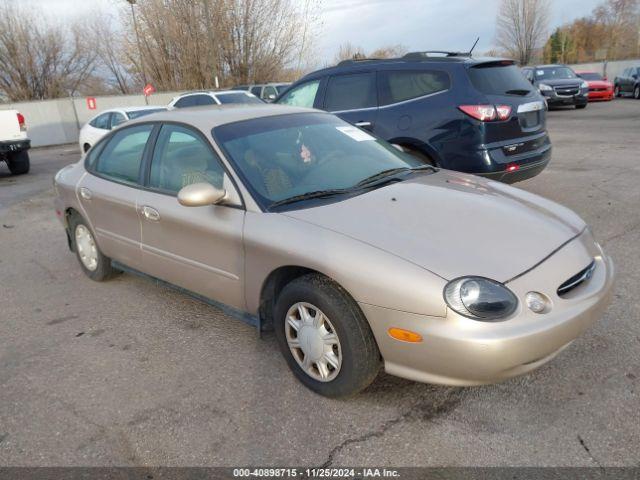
pixel 398 86
pixel 256 91
pixel 101 121
pixel 189 101
pixel 204 100
pixel 116 119
pixel 302 96
pixel 349 92
pixel 270 93
pixel 183 157
pixel 121 157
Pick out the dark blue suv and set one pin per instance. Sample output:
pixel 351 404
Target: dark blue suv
pixel 475 115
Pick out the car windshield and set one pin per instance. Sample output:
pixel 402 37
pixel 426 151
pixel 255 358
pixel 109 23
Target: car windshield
pixel 292 155
pixel 142 113
pixel 237 97
pixel 554 73
pixel 499 79
pixel 590 76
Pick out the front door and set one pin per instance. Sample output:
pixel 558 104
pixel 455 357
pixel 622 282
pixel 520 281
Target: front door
pixel 354 98
pixel 108 194
pixel 197 248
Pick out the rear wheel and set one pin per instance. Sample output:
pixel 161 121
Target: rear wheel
pixel 636 92
pixel 18 162
pixel 616 91
pixel 94 263
pixel 325 338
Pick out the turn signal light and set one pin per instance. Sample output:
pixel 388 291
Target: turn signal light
pixel 405 335
pixel 487 113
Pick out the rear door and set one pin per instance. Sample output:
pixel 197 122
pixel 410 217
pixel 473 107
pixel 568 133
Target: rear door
pixel 500 83
pixel 197 248
pixel 354 98
pixel 108 192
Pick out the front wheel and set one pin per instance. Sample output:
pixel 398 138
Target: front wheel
pixel 325 338
pixel 18 163
pixel 616 91
pixel 94 263
pixel 636 92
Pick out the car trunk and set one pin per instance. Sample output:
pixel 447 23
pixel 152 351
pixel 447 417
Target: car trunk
pixel 502 84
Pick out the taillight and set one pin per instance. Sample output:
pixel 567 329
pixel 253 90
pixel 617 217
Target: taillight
pixel 22 123
pixel 487 113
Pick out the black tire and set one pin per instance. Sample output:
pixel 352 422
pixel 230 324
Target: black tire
pixel 103 270
pixel 360 354
pixel 18 162
pixel 580 107
pixel 616 91
pixel 636 92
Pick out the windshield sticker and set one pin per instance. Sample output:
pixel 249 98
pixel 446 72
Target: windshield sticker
pixel 539 72
pixel 355 133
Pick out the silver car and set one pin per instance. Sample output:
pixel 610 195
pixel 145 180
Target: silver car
pixel 355 253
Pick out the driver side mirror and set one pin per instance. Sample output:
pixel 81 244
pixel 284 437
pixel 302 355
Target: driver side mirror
pixel 200 195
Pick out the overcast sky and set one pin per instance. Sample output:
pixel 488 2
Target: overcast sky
pixel 416 24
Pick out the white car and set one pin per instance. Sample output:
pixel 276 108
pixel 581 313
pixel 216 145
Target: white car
pixel 14 142
pixel 107 120
pixel 197 99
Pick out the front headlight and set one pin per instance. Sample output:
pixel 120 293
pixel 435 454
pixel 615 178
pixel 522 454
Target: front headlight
pixel 584 85
pixel 543 87
pixel 480 298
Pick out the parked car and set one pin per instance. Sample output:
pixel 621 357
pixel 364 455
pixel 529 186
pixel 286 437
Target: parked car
pixel 223 97
pixel 457 112
pixel 266 91
pixel 559 84
pixel 599 87
pixel 628 83
pixel 14 143
pixel 353 251
pixel 107 120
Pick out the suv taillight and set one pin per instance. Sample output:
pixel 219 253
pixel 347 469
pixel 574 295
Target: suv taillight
pixel 487 113
pixel 22 123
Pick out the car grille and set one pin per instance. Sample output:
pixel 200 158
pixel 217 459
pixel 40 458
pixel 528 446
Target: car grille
pixel 577 280
pixel 567 90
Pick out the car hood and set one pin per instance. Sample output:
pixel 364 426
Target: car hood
pixel 561 82
pixel 452 224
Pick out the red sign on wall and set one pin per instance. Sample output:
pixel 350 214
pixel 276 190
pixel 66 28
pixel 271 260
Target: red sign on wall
pixel 148 89
pixel 91 103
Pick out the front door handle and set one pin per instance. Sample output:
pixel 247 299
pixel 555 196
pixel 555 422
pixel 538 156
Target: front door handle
pixel 150 213
pixel 363 124
pixel 85 193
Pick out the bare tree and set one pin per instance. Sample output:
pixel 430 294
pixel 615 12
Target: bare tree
pixel 521 27
pixel 348 51
pixel 113 65
pixel 40 59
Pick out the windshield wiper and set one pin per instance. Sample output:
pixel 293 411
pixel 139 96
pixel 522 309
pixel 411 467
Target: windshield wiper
pixel 390 172
pixel 310 195
pixel 518 91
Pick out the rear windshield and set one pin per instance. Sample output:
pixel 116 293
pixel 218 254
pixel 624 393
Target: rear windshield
pixel 554 73
pixel 590 76
pixel 238 98
pixel 494 79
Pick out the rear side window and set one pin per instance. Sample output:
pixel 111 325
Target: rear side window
pixel 497 79
pixel 301 96
pixel 121 157
pixel 351 92
pixel 204 100
pixel 189 101
pixel 397 86
pixel 256 91
pixel 117 119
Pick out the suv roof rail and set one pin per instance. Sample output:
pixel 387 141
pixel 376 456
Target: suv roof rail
pixel 353 61
pixel 433 53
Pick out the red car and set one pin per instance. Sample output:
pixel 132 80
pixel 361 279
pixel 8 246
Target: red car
pixel 599 87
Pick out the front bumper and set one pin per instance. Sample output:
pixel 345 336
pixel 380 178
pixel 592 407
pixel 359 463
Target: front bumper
pixel 554 100
pixel 459 351
pixel 600 95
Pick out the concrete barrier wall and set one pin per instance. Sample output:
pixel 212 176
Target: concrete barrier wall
pixel 56 122
pixel 610 69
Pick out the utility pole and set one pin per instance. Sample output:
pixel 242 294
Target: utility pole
pixel 135 26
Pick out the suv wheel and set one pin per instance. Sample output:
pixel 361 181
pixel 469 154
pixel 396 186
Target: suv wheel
pixel 18 162
pixel 325 338
pixel 94 263
pixel 636 92
pixel 616 91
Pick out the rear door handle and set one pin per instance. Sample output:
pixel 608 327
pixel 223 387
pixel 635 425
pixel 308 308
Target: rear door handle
pixel 150 213
pixel 85 193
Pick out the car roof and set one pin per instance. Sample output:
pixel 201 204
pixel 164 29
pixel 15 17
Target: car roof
pixel 225 92
pixel 207 117
pixel 140 109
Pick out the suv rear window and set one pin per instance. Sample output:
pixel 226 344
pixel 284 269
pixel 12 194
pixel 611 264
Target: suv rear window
pixel 397 86
pixel 498 79
pixel 349 92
